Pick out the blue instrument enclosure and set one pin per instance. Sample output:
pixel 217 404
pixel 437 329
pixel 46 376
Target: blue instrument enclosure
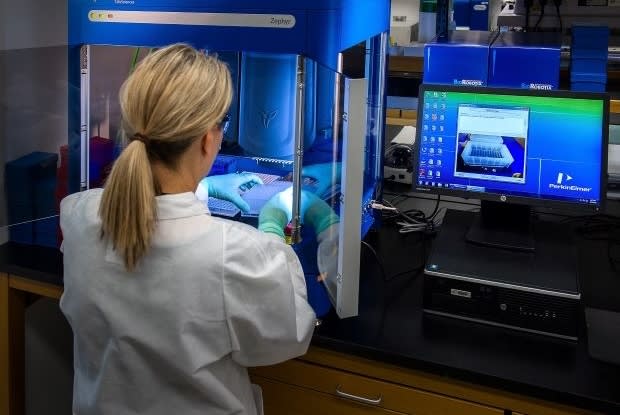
pixel 525 60
pixel 461 58
pixel 318 29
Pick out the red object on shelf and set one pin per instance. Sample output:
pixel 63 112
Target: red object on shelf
pixel 100 164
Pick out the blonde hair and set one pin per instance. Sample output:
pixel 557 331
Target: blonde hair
pixel 173 98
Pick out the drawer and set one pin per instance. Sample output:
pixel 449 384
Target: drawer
pixel 358 389
pixel 393 112
pixel 410 114
pixel 284 399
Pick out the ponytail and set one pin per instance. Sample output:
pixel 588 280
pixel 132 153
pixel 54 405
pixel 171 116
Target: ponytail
pixel 172 98
pixel 128 208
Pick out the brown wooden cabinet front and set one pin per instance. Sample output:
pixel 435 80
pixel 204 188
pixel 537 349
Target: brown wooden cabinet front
pixel 326 382
pixel 322 390
pixel 284 399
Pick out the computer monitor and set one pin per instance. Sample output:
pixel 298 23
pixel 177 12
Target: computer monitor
pixel 512 149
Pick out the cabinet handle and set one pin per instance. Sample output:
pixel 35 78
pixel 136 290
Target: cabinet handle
pixel 358 398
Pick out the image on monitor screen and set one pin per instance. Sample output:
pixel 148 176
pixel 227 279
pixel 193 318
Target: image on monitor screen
pixel 531 147
pixel 491 143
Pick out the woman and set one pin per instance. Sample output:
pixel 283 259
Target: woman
pixel 169 305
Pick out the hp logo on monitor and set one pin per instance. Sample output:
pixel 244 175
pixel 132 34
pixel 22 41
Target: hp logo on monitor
pixel 502 198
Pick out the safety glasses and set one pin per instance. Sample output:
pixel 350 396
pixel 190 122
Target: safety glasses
pixel 225 123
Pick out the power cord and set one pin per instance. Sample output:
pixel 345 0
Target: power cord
pixel 557 4
pixel 382 268
pixel 613 261
pixel 601 228
pixel 413 220
pixel 377 258
pixel 528 5
pixel 543 4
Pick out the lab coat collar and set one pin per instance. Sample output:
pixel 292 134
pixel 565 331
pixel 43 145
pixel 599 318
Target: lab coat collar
pixel 180 205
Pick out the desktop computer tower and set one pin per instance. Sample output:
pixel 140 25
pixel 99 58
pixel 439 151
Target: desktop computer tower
pixel 535 292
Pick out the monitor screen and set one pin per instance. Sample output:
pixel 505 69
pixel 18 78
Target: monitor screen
pixel 531 147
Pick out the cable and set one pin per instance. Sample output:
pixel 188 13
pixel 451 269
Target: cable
pixel 409 271
pixel 542 3
pixel 528 5
pixel 413 220
pixel 134 61
pixel 613 262
pixel 382 268
pixel 379 262
pixel 557 11
pixel 417 196
pixel 436 210
pixel 600 228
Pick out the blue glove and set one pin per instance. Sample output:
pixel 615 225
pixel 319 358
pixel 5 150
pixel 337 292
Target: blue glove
pixel 272 219
pixel 319 215
pixel 227 186
pixel 325 174
pixel 278 212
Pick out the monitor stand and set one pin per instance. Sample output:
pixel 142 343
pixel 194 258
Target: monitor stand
pixel 502 225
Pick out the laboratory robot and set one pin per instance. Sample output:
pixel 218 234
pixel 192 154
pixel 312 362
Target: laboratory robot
pixel 303 117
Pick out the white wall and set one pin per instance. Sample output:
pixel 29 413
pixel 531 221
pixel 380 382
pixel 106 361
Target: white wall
pixel 33 76
pixel 400 32
pixel 32 23
pixel 409 8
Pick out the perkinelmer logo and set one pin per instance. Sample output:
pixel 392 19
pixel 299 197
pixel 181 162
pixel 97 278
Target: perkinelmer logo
pixel 563 178
pixel 468 82
pixel 572 188
pixel 544 87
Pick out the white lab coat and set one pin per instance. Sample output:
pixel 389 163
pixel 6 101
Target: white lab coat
pixel 211 297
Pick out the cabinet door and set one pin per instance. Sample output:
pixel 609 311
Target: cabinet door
pixel 284 399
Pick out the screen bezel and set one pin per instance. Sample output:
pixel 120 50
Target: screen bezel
pixel 508 198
